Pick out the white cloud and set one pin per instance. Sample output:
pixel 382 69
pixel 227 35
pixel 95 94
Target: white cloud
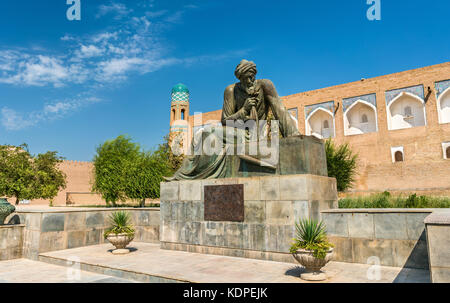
pixel 120 10
pixel 14 120
pixel 88 51
pixel 116 69
pixel 102 37
pixel 131 46
pixel 67 38
pixel 120 66
pixel 156 14
pixel 175 17
pixel 191 6
pixel 37 70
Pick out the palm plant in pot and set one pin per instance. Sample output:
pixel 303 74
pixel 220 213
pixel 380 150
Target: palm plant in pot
pixel 121 232
pixel 311 248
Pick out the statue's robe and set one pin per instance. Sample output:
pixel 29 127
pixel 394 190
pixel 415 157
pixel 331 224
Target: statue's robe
pixel 201 166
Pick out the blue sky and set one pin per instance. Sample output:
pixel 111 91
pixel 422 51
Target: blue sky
pixel 70 85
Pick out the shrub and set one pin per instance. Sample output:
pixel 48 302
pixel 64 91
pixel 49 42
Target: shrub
pixel 311 235
pixel 385 200
pixel 341 164
pixel 120 224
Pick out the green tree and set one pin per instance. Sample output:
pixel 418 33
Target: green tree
pixel 23 176
pixel 145 175
pixel 49 178
pixel 17 175
pixel 341 164
pixel 113 159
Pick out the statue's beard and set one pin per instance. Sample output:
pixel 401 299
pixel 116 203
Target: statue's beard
pixel 250 88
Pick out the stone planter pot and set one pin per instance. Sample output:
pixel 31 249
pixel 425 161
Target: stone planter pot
pixel 120 241
pixel 5 210
pixel 312 264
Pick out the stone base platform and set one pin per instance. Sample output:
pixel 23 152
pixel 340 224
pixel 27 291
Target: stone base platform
pixel 149 263
pixel 244 217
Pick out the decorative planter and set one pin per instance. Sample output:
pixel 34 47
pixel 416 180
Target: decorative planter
pixel 5 210
pixel 120 241
pixel 312 264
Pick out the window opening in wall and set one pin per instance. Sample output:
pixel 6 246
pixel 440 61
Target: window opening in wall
pixel 364 119
pixel 398 156
pixel 326 129
pixel 408 116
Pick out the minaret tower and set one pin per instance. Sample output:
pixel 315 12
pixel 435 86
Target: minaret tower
pixel 179 114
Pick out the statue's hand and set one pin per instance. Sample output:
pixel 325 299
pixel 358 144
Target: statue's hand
pixel 249 103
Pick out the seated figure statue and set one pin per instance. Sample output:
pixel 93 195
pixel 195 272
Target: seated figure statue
pixel 248 100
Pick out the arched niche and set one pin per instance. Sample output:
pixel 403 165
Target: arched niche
pixel 446 150
pixel 398 154
pixel 360 118
pixel 406 111
pixel 443 105
pixel 320 124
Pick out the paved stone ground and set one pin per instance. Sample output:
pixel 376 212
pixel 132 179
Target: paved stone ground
pixel 149 260
pixel 28 271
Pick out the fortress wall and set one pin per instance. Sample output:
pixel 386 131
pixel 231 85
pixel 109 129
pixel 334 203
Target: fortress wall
pixel 79 180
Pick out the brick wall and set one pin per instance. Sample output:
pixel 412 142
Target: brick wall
pixel 79 184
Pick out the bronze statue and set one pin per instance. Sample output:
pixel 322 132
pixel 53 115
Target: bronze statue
pixel 247 100
pixel 250 99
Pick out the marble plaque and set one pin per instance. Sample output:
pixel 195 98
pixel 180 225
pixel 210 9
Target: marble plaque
pixel 224 202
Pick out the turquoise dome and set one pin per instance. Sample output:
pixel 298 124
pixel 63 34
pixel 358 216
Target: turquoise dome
pixel 180 88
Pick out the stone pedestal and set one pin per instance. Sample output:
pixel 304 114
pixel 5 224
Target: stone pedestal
pixel 438 229
pixel 259 223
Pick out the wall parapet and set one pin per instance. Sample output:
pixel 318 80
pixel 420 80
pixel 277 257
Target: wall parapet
pixel 51 230
pixel 11 241
pixel 393 237
pixel 438 229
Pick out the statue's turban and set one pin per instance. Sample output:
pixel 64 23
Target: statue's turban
pixel 244 67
